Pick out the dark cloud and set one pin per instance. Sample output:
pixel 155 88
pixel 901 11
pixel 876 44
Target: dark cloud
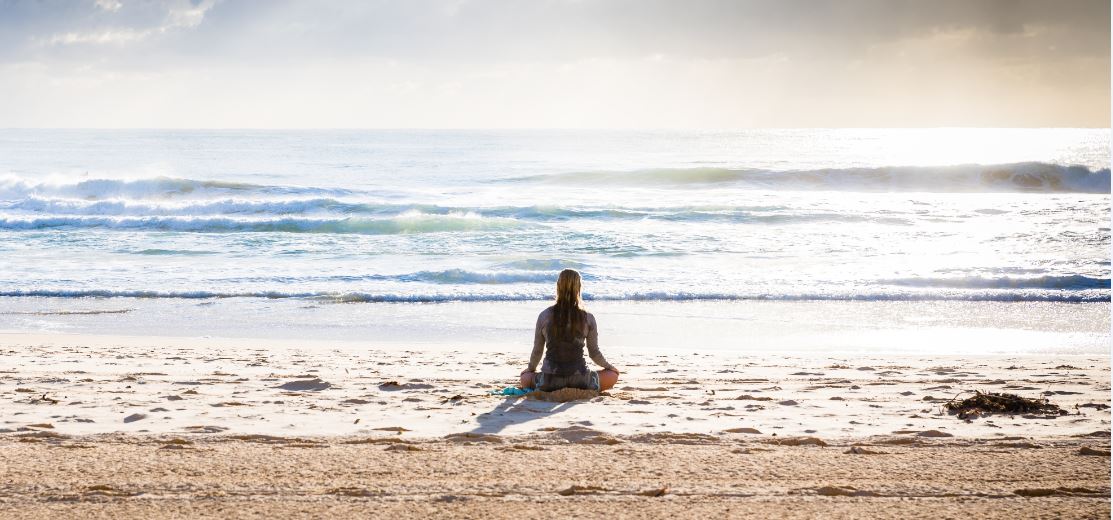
pixel 721 62
pixel 538 30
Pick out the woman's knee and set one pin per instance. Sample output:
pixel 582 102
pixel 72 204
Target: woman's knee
pixel 607 379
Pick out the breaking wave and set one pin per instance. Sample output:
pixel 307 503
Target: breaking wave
pixel 1035 177
pixel 175 196
pixel 1070 282
pixel 542 295
pixel 320 208
pixel 410 222
pixel 14 187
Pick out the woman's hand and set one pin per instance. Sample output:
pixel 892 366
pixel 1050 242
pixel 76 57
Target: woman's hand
pixel 526 379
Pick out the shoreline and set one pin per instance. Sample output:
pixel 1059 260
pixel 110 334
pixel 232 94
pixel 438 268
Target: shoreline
pixel 26 338
pixel 759 327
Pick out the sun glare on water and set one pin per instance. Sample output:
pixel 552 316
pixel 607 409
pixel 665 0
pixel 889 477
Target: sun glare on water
pixel 954 146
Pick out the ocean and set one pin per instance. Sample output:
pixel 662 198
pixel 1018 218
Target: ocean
pixel 168 218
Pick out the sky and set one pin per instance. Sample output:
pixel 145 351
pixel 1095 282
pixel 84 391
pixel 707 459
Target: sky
pixel 635 64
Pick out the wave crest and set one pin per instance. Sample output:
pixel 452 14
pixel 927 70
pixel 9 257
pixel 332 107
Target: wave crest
pixel 1067 282
pixel 410 222
pixel 373 297
pixel 13 188
pixel 1035 177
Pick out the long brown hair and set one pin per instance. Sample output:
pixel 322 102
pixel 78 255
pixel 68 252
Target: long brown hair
pixel 568 311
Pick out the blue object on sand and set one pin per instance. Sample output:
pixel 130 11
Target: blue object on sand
pixel 512 391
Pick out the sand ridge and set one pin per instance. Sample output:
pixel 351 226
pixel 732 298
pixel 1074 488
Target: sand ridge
pixel 636 476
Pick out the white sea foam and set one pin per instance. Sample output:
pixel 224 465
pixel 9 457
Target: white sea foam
pixel 429 217
pixel 145 207
pixel 156 195
pixel 542 294
pixel 14 187
pixel 409 222
pixel 320 208
pixel 1068 282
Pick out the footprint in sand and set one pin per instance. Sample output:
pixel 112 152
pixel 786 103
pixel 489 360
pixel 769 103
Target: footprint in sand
pixel 391 386
pixel 306 385
pixel 934 433
pixel 752 431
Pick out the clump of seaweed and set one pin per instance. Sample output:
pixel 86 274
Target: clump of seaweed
pixel 986 403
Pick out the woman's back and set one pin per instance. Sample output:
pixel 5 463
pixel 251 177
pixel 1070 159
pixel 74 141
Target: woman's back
pixel 564 346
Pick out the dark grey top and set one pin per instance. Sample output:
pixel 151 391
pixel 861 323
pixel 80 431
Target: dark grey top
pixel 562 352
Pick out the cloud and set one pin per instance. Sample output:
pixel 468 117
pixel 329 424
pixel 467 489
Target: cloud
pixel 555 63
pixel 108 22
pixel 561 30
pixel 98 37
pixel 109 5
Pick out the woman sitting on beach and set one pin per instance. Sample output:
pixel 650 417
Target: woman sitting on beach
pixel 563 330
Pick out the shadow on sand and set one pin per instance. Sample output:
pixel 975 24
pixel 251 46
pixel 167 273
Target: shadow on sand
pixel 517 410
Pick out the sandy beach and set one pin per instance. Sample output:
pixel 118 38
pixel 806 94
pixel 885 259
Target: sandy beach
pixel 109 426
pixel 290 259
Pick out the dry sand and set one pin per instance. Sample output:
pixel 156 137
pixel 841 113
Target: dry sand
pixel 149 427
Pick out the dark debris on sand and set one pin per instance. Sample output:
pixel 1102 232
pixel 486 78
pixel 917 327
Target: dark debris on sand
pixel 986 403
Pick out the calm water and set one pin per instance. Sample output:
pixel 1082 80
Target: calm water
pixel 1000 215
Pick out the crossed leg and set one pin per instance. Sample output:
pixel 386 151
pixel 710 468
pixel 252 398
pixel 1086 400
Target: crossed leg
pixel 607 379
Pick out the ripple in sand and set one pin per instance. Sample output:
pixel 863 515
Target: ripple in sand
pixel 1086 450
pixel 391 386
pixel 798 441
pixel 752 431
pixel 350 491
pixel 473 437
pixel 107 490
pixel 403 447
pixel 582 490
pixel 843 491
pixel 398 429
pixel 747 397
pixel 305 385
pixel 858 450
pixel 934 433
pixel 1060 491
pixel 205 429
pixel 581 435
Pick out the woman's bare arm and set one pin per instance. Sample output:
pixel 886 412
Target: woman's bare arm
pixel 593 344
pixel 538 340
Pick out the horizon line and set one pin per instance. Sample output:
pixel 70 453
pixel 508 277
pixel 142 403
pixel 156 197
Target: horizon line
pixel 536 129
